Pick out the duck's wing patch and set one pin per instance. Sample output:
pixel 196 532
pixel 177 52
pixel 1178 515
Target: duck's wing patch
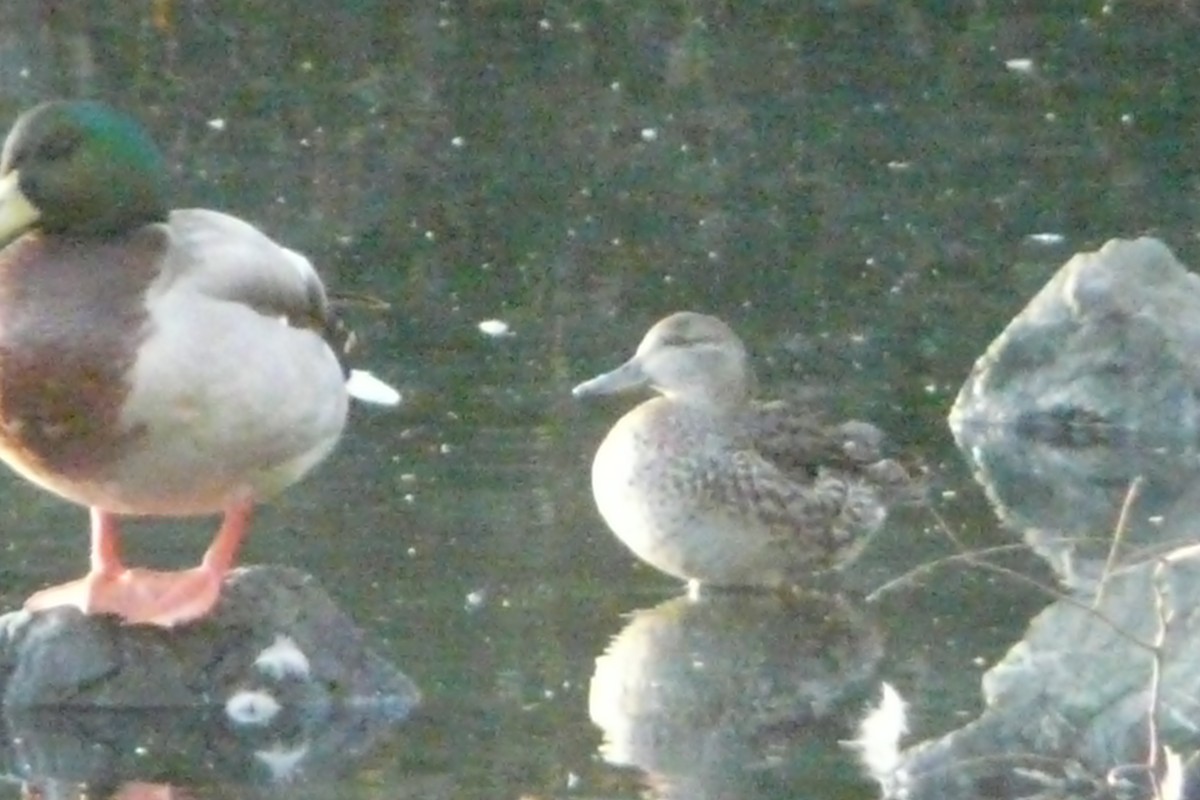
pixel 800 442
pixel 832 516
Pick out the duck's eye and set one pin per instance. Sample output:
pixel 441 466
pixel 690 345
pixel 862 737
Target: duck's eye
pixel 675 340
pixel 57 148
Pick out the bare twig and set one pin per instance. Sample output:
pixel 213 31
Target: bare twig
pixel 1162 617
pixel 1156 753
pixel 1118 538
pixel 975 558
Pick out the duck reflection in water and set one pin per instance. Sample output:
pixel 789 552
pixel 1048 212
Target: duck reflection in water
pixel 134 790
pixel 708 485
pixel 737 694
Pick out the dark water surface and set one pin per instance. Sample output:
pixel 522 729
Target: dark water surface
pixel 858 187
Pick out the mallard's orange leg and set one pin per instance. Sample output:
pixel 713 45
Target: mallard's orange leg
pixel 143 596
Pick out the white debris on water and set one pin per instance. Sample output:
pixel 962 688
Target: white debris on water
pixel 879 736
pixel 1171 785
pixel 1046 238
pixel 364 386
pixel 494 328
pixel 283 658
pixel 281 761
pixel 252 707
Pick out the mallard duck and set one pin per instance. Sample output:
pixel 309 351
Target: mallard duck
pixel 152 361
pixel 707 485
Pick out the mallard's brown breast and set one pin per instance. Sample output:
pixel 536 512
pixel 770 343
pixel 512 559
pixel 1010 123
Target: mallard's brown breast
pixel 72 316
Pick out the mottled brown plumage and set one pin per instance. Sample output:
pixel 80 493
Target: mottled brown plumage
pixel 709 486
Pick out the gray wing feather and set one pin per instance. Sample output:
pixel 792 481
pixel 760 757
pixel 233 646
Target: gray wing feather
pixel 800 442
pixel 222 256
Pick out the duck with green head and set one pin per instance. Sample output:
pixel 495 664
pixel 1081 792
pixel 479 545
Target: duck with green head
pixel 152 361
pixel 708 485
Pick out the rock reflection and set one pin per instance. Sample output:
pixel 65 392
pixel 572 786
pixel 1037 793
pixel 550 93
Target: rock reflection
pixel 165 754
pixel 730 693
pixel 1092 386
pixel 1075 707
pixel 1106 677
pixel 1067 500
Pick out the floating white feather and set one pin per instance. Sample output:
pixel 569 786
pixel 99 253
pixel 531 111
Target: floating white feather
pixel 494 328
pixel 364 386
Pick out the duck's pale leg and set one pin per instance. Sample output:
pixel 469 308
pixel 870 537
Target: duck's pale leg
pixel 143 596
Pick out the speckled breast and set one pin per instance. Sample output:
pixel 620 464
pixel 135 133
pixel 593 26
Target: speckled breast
pixel 653 483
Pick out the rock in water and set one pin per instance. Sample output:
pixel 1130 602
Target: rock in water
pixel 1110 345
pixel 276 642
pixel 1066 713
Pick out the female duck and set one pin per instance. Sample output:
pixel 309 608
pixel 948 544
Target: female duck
pixel 708 486
pixel 152 362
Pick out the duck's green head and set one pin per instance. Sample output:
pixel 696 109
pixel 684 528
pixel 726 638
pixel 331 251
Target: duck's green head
pixel 79 168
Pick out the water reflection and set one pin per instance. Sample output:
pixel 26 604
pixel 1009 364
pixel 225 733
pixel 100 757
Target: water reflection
pixel 1069 501
pixel 853 183
pixel 735 694
pixel 1107 675
pixel 160 754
